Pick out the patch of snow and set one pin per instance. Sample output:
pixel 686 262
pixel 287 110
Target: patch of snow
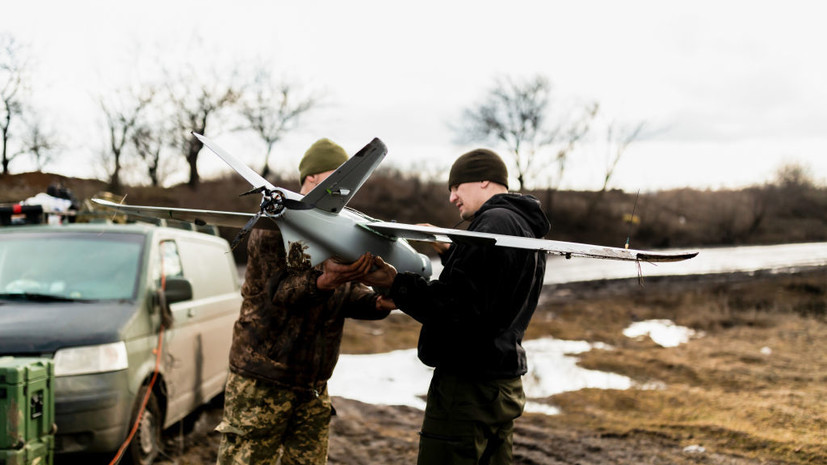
pixel 663 332
pixel 539 407
pixel 399 378
pixel 391 378
pixel 552 369
pixel 694 449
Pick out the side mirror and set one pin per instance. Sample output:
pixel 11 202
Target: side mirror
pixel 177 290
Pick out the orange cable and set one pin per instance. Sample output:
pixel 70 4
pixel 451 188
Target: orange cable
pixel 145 400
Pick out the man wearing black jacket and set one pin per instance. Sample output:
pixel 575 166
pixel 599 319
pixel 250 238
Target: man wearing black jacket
pixel 474 318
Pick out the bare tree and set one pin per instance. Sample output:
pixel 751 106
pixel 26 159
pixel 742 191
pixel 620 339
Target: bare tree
pixel 148 141
pixel 123 113
pixel 12 82
pixel 40 143
pixel 271 110
pixel 515 114
pixel 153 144
pixel 794 175
pixel 196 103
pixel 618 139
pixel 569 138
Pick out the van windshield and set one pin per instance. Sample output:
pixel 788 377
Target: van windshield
pixel 70 266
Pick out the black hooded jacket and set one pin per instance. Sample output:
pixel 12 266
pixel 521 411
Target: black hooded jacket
pixel 475 315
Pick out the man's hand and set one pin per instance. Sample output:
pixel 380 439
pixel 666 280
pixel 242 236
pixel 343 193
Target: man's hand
pixel 439 247
pixel 336 273
pixel 381 275
pixel 385 304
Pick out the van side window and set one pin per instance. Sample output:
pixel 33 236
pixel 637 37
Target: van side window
pixel 209 267
pixel 170 259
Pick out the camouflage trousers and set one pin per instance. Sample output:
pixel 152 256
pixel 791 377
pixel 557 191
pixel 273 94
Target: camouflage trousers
pixel 263 422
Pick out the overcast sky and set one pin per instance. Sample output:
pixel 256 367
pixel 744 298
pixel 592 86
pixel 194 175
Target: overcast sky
pixel 729 91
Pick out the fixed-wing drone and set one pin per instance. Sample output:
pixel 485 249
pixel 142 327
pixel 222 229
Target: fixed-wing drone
pixel 321 221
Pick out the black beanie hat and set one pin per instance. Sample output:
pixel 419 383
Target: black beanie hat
pixel 478 165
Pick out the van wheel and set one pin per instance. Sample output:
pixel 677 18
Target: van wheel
pixel 146 445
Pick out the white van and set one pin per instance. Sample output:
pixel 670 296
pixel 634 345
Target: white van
pixel 95 297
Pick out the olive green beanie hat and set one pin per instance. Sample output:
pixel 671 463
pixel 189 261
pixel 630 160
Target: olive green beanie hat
pixel 324 155
pixel 478 165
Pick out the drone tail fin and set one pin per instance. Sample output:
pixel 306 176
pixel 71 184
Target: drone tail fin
pixel 337 189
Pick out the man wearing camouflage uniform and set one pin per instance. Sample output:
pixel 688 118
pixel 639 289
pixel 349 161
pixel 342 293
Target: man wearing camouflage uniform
pixel 286 341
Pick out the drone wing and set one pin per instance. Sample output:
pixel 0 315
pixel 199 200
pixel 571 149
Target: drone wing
pixel 198 217
pixel 568 249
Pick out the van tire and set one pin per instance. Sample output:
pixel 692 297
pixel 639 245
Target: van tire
pixel 146 446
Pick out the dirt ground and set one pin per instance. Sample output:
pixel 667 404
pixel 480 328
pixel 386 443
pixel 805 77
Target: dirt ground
pixel 750 389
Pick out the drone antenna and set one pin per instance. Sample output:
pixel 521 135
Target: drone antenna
pixel 115 214
pixel 640 280
pixel 632 220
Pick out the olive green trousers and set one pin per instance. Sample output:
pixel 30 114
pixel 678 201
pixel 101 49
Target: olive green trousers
pixel 470 421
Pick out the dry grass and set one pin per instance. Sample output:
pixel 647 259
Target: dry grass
pixel 754 383
pixel 397 331
pixel 721 391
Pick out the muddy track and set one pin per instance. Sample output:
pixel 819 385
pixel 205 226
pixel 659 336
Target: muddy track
pixel 364 434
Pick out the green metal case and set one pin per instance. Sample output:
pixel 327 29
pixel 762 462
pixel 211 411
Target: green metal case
pixel 27 400
pixel 36 452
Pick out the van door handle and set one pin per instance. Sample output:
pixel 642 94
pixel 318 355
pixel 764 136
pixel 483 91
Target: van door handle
pixel 191 312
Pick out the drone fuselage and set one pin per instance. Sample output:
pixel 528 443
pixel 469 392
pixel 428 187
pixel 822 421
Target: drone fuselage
pixel 353 237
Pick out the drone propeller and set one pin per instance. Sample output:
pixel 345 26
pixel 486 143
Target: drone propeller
pixel 245 230
pixel 254 191
pixel 280 199
pixel 273 204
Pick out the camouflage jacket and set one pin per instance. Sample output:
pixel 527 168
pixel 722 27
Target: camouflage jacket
pixel 289 331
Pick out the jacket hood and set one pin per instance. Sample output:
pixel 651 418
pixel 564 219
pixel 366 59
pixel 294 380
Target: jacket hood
pixel 526 206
